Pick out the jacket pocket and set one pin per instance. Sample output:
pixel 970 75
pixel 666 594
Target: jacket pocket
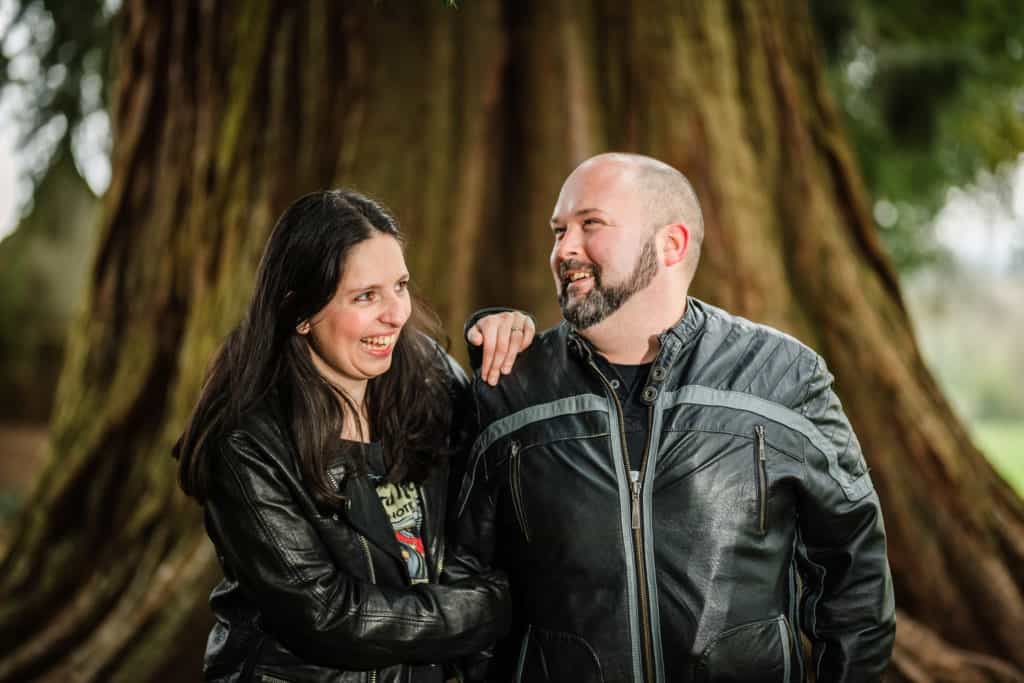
pixel 516 488
pixel 758 652
pixel 761 479
pixel 547 656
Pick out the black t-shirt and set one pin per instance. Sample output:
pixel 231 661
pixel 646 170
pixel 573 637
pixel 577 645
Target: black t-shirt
pixel 628 383
pixel 401 503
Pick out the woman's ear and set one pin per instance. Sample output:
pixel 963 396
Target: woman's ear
pixel 303 327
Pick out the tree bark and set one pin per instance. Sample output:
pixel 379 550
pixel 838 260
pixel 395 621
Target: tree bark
pixel 465 122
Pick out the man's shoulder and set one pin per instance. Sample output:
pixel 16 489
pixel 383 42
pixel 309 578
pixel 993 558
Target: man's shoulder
pixel 548 348
pixel 721 324
pixel 744 355
pixel 543 372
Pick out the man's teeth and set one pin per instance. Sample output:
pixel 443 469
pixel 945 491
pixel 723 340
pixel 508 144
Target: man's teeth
pixel 378 342
pixel 578 275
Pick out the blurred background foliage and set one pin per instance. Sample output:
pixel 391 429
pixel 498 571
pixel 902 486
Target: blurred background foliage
pixel 933 95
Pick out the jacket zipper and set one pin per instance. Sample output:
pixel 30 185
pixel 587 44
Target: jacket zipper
pixel 517 491
pixel 373 579
pixel 760 461
pixel 369 559
pixel 641 557
pixel 635 489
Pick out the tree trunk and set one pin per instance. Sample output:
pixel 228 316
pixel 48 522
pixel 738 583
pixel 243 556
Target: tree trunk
pixel 465 122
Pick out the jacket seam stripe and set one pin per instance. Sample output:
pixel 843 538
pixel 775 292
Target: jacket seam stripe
pixel 854 488
pixel 572 405
pixel 652 569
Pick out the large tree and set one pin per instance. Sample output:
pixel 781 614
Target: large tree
pixel 465 121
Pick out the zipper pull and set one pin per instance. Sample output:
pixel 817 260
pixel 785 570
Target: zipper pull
pixel 634 489
pixel 759 430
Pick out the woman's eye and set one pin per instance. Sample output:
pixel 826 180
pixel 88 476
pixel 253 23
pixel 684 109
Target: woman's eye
pixel 365 296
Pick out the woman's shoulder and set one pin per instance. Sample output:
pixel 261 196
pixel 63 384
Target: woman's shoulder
pixel 449 368
pixel 259 431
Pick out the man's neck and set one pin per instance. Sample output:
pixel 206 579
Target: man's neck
pixel 630 335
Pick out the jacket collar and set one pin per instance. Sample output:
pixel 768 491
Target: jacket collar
pixel 690 324
pixel 366 515
pixel 363 510
pixel 672 341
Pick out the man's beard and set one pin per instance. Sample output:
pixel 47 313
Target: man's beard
pixel 600 302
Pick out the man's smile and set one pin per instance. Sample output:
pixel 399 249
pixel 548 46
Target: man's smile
pixel 576 276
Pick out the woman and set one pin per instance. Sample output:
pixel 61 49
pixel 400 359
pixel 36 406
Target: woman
pixel 319 448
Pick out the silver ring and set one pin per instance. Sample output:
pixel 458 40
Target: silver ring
pixel 516 329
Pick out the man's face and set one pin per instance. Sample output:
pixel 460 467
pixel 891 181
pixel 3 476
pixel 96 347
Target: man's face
pixel 605 250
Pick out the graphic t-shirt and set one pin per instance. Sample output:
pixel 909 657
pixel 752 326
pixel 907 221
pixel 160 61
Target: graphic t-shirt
pixel 402 506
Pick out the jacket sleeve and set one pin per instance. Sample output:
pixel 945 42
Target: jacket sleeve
pixel 463 428
pixel 471 537
pixel 315 609
pixel 848 606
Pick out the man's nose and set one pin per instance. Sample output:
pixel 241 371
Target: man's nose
pixel 569 246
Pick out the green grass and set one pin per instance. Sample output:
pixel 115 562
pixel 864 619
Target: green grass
pixel 1003 443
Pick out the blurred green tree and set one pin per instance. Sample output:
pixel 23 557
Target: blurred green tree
pixel 932 94
pixel 465 122
pixel 44 267
pixel 53 63
pixel 54 60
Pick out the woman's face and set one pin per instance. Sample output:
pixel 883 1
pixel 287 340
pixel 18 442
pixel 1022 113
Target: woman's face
pixel 352 338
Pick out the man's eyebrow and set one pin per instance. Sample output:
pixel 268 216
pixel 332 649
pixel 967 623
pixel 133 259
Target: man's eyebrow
pixel 579 212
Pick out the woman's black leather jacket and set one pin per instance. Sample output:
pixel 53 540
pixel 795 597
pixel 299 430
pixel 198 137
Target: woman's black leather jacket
pixel 314 597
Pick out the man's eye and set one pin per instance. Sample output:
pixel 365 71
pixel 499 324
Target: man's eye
pixel 402 286
pixel 558 232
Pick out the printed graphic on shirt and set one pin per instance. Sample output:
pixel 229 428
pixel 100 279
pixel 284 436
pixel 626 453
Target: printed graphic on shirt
pixel 402 505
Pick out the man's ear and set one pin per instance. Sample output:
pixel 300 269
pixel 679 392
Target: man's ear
pixel 676 241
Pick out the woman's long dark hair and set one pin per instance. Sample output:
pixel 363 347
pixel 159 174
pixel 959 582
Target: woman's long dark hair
pixel 409 406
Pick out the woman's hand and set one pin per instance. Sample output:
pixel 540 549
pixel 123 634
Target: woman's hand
pixel 503 336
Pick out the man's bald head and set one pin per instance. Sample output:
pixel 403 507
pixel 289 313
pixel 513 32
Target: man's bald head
pixel 670 197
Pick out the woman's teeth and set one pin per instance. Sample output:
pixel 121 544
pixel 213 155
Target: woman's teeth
pixel 378 342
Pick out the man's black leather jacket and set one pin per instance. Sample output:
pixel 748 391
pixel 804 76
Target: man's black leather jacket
pixel 753 517
pixel 308 596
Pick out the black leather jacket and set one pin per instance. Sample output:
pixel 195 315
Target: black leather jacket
pixel 753 517
pixel 312 597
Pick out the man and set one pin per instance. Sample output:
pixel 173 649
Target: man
pixel 674 491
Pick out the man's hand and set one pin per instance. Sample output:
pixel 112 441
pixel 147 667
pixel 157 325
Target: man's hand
pixel 503 336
